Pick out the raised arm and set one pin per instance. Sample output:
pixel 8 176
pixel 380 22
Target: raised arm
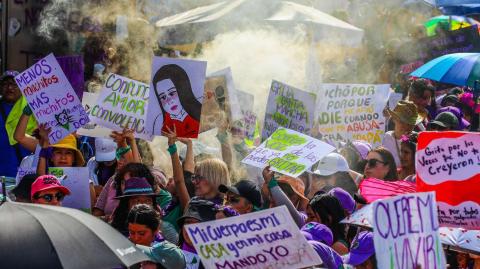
pixel 189 163
pixel 20 135
pixel 130 138
pixel 44 153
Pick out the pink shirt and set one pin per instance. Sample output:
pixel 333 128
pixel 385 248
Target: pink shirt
pixel 106 201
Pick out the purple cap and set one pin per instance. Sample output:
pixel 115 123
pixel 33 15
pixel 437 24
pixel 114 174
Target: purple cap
pixel 362 147
pixel 329 257
pixel 317 232
pixel 135 186
pixel 9 74
pixel 345 199
pixel 362 249
pixel 462 122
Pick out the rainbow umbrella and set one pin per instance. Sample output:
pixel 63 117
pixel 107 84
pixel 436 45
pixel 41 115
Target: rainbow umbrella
pixel 449 23
pixel 461 69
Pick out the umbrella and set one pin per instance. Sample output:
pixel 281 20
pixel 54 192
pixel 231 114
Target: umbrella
pixel 373 189
pixel 460 239
pixel 461 69
pixel 451 22
pixel 362 217
pixel 456 7
pixel 39 236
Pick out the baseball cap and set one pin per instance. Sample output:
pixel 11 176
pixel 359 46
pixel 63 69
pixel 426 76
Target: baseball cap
pixel 9 74
pixel 47 182
pixel 330 257
pixel 317 232
pixel 166 254
pixel 462 122
pixel 246 189
pixel 331 164
pixel 201 210
pixel 345 199
pixel 105 150
pixel 446 120
pixel 362 249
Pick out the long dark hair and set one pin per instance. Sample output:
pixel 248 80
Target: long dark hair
pixel 331 213
pixel 135 170
pixel 184 89
pixel 387 157
pixel 120 214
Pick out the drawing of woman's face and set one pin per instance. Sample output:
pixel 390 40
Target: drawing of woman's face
pixel 168 96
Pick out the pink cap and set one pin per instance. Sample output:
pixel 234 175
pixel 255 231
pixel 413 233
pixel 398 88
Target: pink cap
pixel 47 182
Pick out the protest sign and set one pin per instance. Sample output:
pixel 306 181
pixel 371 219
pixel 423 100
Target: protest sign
pixel 288 107
pixel 77 181
pixel 92 129
pixel 51 98
pixel 244 124
pixel 352 112
pixel 176 89
pixel 288 152
pixel 123 103
pixel 449 164
pixel 216 107
pixel 232 98
pixel 405 232
pixel 268 238
pixel 394 99
pixel 74 70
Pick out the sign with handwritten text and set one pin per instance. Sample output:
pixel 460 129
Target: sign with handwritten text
pixel 123 103
pixel 288 107
pixel 92 129
pixel 405 232
pixel 288 152
pixel 352 112
pixel 449 164
pixel 51 98
pixel 265 239
pixel 77 181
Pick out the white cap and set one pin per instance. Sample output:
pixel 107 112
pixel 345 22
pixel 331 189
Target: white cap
pixel 105 150
pixel 331 164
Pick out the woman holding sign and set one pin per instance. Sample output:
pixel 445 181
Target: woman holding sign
pixel 180 108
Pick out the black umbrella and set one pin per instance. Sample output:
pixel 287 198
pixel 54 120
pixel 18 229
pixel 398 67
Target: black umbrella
pixel 38 236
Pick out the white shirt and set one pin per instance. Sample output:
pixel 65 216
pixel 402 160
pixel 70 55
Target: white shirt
pixel 389 143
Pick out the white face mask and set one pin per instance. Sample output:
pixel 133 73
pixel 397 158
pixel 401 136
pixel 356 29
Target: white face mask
pixel 167 93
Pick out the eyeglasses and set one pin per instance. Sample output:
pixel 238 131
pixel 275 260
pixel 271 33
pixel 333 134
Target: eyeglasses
pixel 197 178
pixel 373 162
pixel 49 197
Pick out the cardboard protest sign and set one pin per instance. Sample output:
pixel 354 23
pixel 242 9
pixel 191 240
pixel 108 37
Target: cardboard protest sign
pixel 177 95
pixel 288 152
pixel 449 164
pixel 244 124
pixel 77 181
pixel 216 107
pixel 268 238
pixel 52 98
pixel 232 98
pixel 123 103
pixel 352 112
pixel 394 99
pixel 92 129
pixel 288 107
pixel 405 232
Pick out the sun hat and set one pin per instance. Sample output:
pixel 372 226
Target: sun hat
pixel 446 120
pixel 166 254
pixel 199 209
pixel 329 257
pixel 70 142
pixel 47 182
pixel 406 112
pixel 317 232
pixel 462 122
pixel 246 189
pixel 331 164
pixel 105 150
pixel 296 184
pixel 362 249
pixel 136 186
pixel 345 199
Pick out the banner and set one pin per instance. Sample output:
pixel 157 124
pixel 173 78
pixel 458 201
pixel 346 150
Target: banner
pixel 51 98
pixel 449 164
pixel 265 239
pixel 352 112
pixel 123 103
pixel 406 234
pixel 216 105
pixel 92 129
pixel 77 181
pixel 288 107
pixel 74 70
pixel 288 152
pixel 244 124
pixel 176 88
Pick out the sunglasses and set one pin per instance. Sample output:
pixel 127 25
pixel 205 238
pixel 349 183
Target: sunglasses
pixel 373 162
pixel 49 197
